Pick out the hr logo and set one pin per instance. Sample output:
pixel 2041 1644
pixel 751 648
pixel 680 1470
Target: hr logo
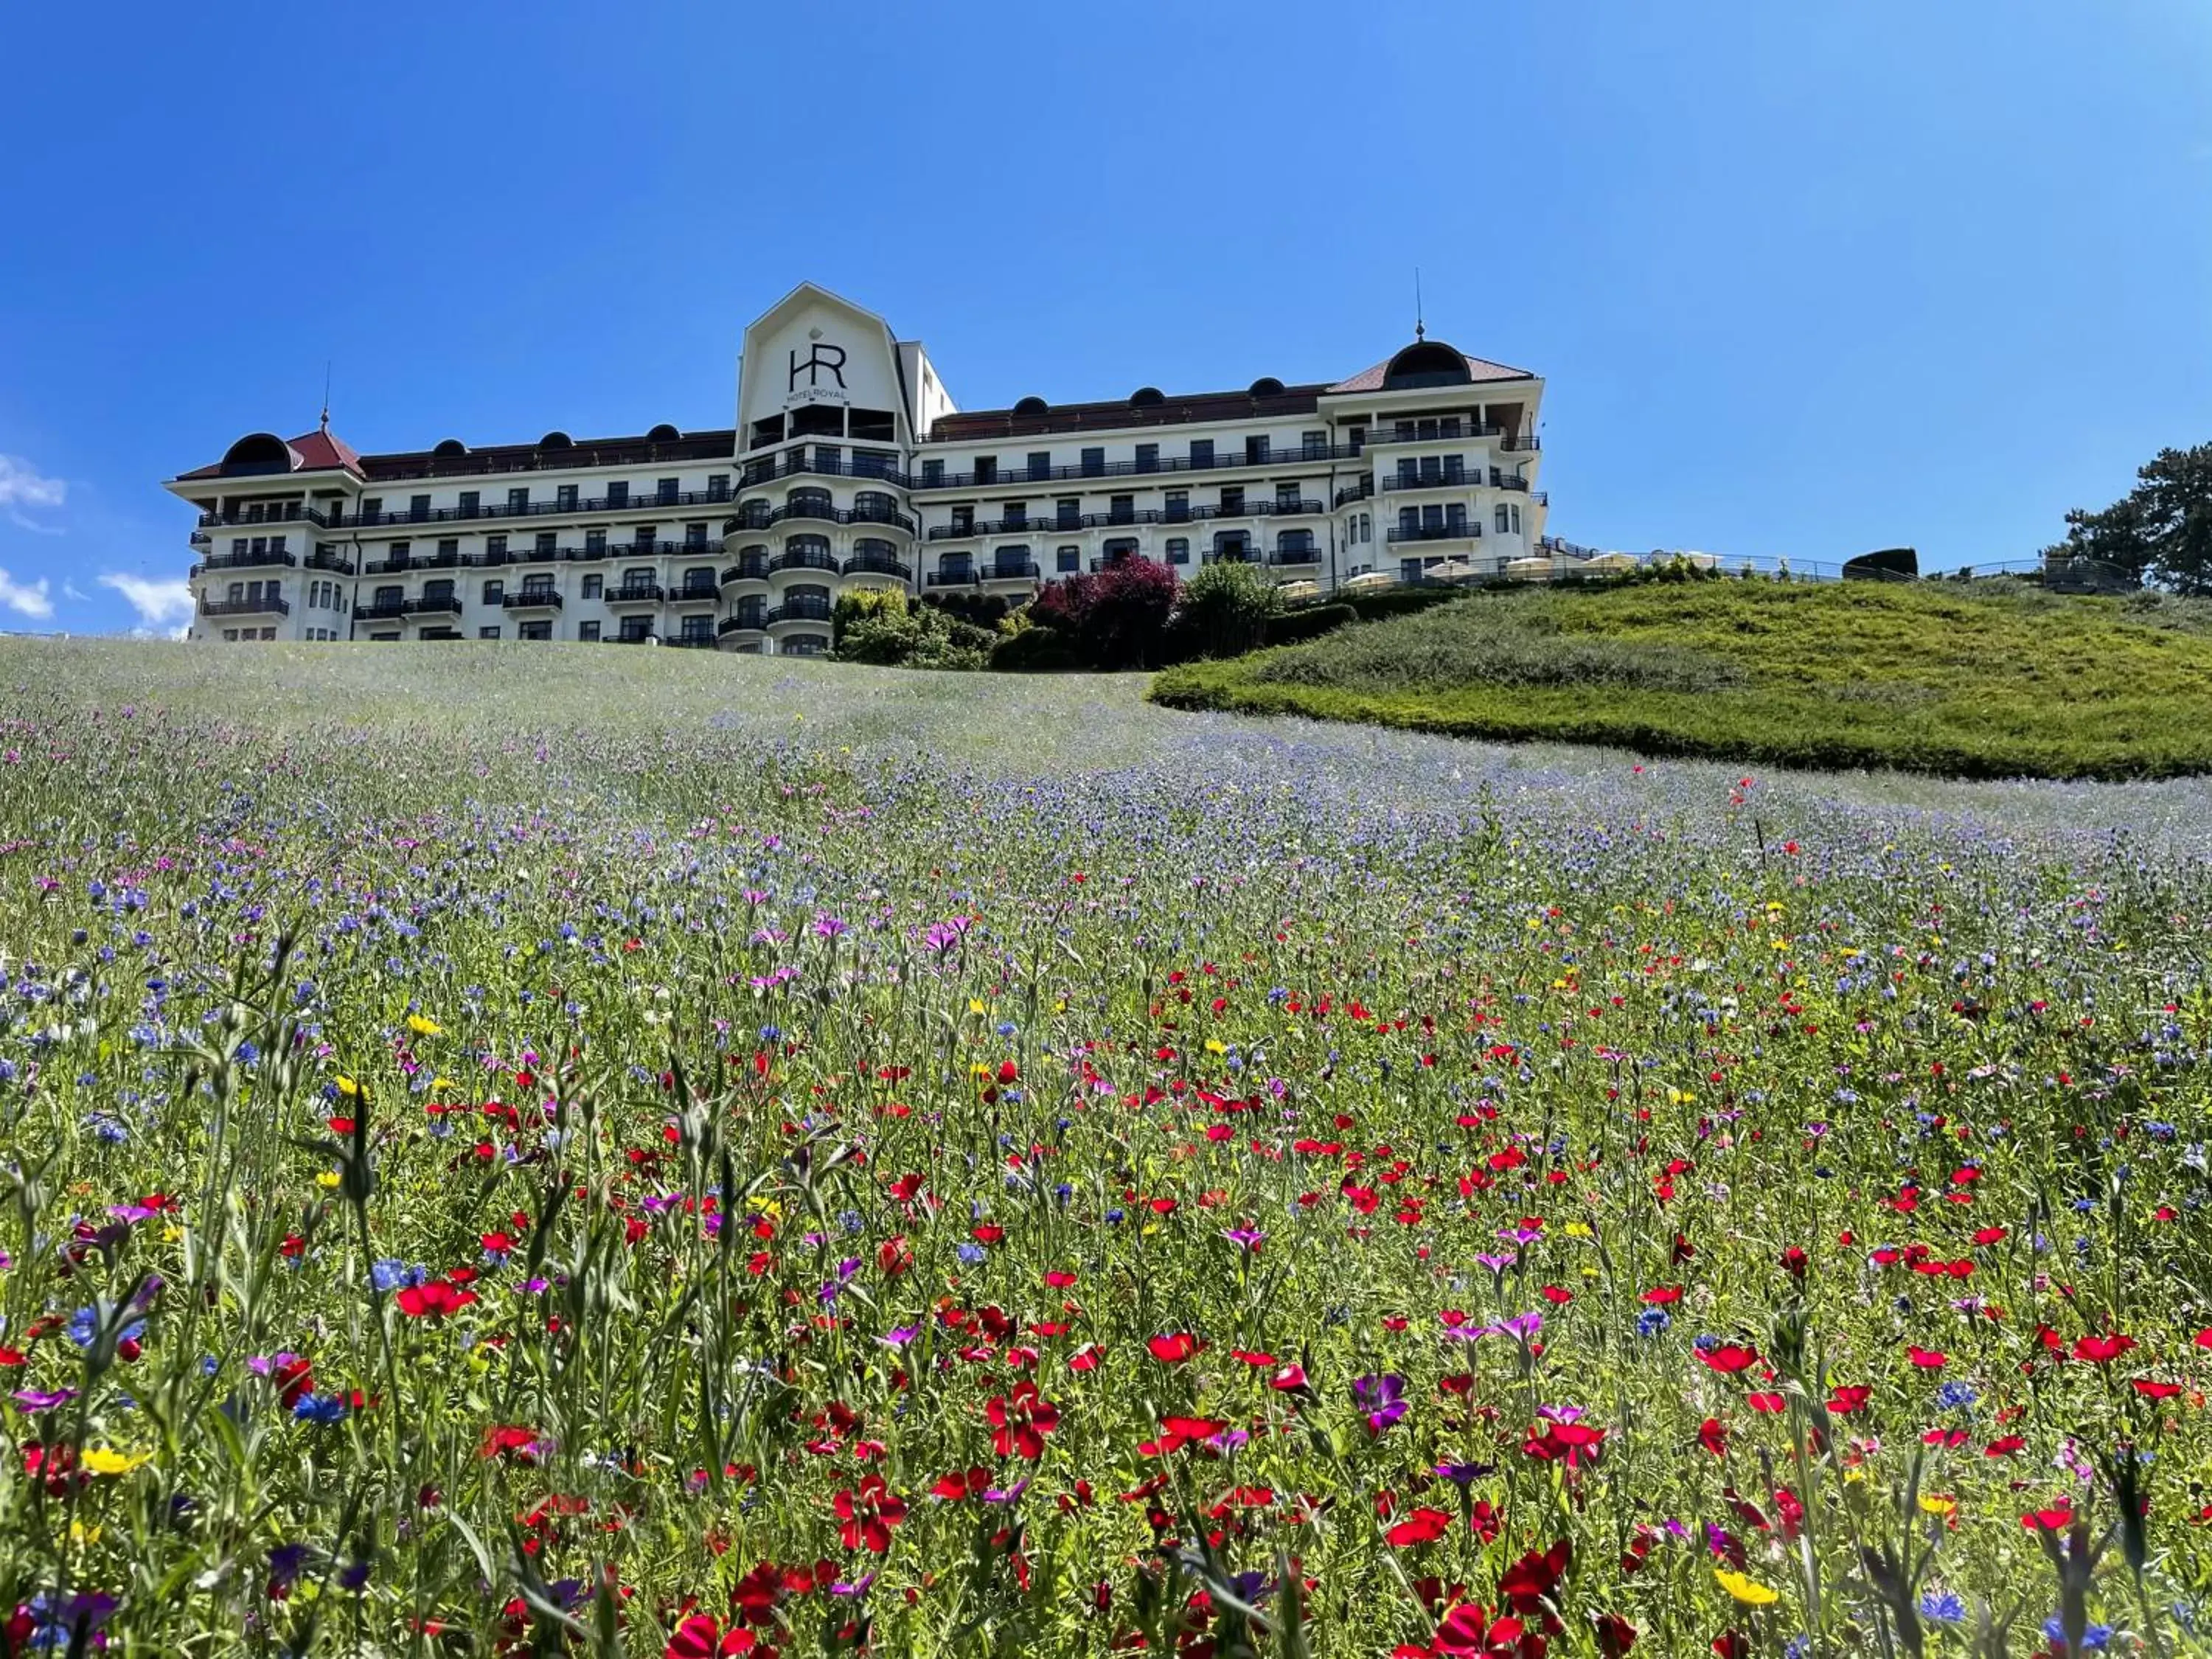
pixel 820 360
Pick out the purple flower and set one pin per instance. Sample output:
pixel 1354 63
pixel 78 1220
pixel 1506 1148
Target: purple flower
pixel 828 927
pixel 1246 1238
pixel 1463 1475
pixel 1382 1399
pixel 899 1335
pixel 44 1399
pixel 1521 1328
pixel 1498 1264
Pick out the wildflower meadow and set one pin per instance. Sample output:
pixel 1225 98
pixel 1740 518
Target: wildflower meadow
pixel 562 1150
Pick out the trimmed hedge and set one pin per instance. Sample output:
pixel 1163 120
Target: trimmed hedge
pixel 1307 623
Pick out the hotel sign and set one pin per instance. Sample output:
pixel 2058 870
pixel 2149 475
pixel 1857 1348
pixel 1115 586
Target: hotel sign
pixel 817 377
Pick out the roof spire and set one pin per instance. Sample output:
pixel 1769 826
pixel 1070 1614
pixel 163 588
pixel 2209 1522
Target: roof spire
pixel 1420 331
pixel 324 425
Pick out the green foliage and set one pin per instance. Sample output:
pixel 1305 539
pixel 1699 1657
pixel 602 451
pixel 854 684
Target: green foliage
pixel 879 626
pixel 2160 530
pixel 1036 648
pixel 1116 618
pixel 1374 604
pixel 1224 608
pixel 1984 680
pixel 1308 621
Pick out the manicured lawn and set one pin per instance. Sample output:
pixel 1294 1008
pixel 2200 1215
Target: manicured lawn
pixel 1976 681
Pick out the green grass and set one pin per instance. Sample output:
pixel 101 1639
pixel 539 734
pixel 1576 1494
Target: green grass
pixel 1989 681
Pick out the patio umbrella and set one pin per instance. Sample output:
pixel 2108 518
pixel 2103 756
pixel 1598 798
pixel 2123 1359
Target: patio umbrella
pixel 1299 590
pixel 1367 579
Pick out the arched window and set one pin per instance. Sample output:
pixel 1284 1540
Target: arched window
pixel 808 503
pixel 875 506
pixel 1178 549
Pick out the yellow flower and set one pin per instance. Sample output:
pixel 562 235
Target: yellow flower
pixel 328 1178
pixel 81 1533
pixel 1749 1591
pixel 422 1027
pixel 438 1083
pixel 1578 1229
pixel 347 1086
pixel 101 1460
pixel 975 1005
pixel 1216 1046
pixel 1936 1503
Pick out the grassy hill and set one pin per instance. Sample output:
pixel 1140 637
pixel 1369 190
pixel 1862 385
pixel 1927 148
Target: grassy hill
pixel 1991 680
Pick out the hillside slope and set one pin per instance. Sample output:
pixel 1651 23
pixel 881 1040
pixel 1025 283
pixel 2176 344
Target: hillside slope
pixel 1988 680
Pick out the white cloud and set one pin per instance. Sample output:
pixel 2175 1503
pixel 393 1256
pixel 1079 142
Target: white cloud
pixel 29 598
pixel 70 591
pixel 164 608
pixel 21 486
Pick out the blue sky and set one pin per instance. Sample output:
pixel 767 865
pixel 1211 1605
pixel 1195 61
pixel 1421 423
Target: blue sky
pixel 1803 280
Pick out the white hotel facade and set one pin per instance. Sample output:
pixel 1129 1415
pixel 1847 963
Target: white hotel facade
pixel 850 466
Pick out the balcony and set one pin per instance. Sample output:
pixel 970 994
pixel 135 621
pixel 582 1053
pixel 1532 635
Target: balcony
pixel 803 559
pixel 1466 530
pixel 636 506
pixel 380 610
pixel 1307 455
pixel 269 605
pixel 261 561
pixel 1446 432
pixel 692 641
pixel 1282 506
pixel 695 593
pixel 816 513
pixel 875 564
pixel 279 512
pixel 750 568
pixel 532 599
pixel 627 639
pixel 635 593
pixel 400 566
pixel 435 604
pixel 957 576
pixel 1359 492
pixel 1470 479
pixel 1283 556
pixel 337 564
pixel 757 473
pixel 799 610
pixel 1024 571
pixel 745 622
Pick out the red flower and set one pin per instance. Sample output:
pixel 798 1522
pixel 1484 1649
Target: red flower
pixel 868 1513
pixel 2103 1350
pixel 1422 1527
pixel 1991 1235
pixel 1659 1295
pixel 1615 1635
pixel 1528 1583
pixel 2150 1390
pixel 701 1637
pixel 2004 1446
pixel 1728 1358
pixel 1765 1402
pixel 1849 1399
pixel 1927 1358
pixel 1467 1633
pixel 435 1296
pixel 1020 1420
pixel 1174 1350
pixel 2056 1518
pixel 958 1485
pixel 1712 1435
pixel 1571 1444
pixel 503 1439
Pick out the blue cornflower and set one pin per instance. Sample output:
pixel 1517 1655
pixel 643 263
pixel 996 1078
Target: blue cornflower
pixel 2094 1640
pixel 1944 1606
pixel 1956 1396
pixel 1652 1322
pixel 320 1408
pixel 970 1253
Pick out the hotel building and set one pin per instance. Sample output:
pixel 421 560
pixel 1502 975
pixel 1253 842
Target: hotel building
pixel 850 466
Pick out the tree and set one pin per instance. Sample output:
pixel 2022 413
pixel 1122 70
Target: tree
pixel 1114 619
pixel 1226 607
pixel 879 626
pixel 2160 530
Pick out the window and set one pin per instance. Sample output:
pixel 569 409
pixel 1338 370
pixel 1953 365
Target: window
pixel 594 585
pixel 449 550
pixel 587 630
pixel 648 538
pixel 873 464
pixel 636 628
pixel 544 631
pixel 1366 528
pixel 1517 521
pixel 1255 450
pixel 699 582
pixel 238 547
pixel 874 507
pixel 955 568
pixel 230 634
pixel 388 596
pixel 1501 522
pixel 933 473
pixel 1294 543
pixel 1121 509
pixel 259 546
pixel 637 578
pixel 564 497
pixel 537 585
pixel 1356 435
pixel 1067 559
pixel 517 499
pixel 495 592
pixel 1067 512
pixel 697 630
pixel 1012 560
pixel 987 469
pixel 595 543
pixel 398 554
pixel 769 430
pixel 491 632
pixel 694 535
pixel 964 520
pixel 1178 506
pixel 384 639
pixel 276 544
pixel 1015 515
pixel 237 593
pixel 1148 458
pixel 438 592
pixel 718 486
pixel 1094 463
pixel 1178 549
pixel 418 506
pixel 1314 443
pixel 1121 549
pixel 618 494
pixel 667 490
pixel 1233 500
pixel 545 546
pixel 494 548
pixel 1287 497
pixel 469 499
pixel 1201 453
pixel 1040 467
pixel 372 508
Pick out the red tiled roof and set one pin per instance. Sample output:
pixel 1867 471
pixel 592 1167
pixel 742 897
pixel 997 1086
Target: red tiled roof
pixel 1478 368
pixel 318 451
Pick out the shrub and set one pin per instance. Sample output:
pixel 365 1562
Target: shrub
pixel 1036 649
pixel 1308 621
pixel 879 626
pixel 1374 603
pixel 1114 619
pixel 1226 607
pixel 984 610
